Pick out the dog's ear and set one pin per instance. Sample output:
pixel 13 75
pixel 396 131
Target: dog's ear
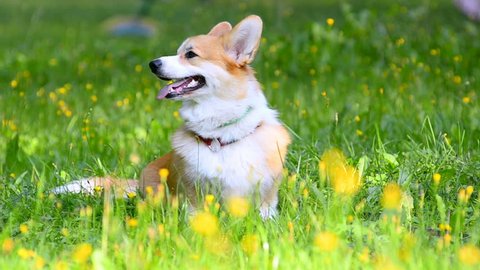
pixel 220 29
pixel 242 42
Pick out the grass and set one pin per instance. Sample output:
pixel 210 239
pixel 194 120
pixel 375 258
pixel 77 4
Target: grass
pixel 394 86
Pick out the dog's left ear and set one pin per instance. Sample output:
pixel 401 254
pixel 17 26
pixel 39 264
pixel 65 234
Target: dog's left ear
pixel 220 29
pixel 242 42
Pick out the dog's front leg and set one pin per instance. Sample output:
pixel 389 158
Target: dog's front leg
pixel 268 200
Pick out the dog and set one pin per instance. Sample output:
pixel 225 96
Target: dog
pixel 230 139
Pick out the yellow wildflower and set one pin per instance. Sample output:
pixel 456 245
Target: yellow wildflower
pixel 330 21
pixel 447 239
pixel 326 241
pixel 61 265
pixel 8 245
pixel 82 253
pixel 469 254
pixel 436 178
pixel 250 244
pixel 23 228
pixel 138 68
pixel 209 199
pixel 344 179
pixel 400 41
pixel 204 224
pixel 131 194
pixel 466 99
pixel 14 83
pixel 132 222
pixel 238 206
pixel 462 196
pixel 39 262
pixel 26 253
pixel 86 211
pixel 64 232
pixel 468 192
pixel 149 190
pixel 89 86
pixel 392 197
pixel 364 256
pixel 457 79
pixel 163 173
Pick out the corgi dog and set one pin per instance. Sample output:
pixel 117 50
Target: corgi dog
pixel 230 140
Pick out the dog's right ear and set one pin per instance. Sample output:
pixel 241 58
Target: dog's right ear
pixel 242 42
pixel 220 29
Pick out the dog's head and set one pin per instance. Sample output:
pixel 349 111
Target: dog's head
pixel 211 64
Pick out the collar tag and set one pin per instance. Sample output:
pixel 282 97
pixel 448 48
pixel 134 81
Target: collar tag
pixel 215 145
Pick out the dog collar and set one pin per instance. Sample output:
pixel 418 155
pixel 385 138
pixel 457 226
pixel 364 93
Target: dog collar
pixel 236 120
pixel 215 144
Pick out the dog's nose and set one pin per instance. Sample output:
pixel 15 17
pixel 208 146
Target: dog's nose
pixel 155 65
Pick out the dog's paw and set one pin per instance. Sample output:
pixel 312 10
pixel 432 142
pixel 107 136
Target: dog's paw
pixel 268 212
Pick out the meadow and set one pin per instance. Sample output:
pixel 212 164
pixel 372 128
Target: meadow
pixel 381 99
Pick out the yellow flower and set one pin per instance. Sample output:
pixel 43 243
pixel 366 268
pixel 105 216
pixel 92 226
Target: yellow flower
pixel 344 179
pixel 436 178
pixel 400 41
pixel 466 100
pixel 131 194
pixel 462 196
pixel 469 254
pixel 238 206
pixel 82 253
pixel 23 228
pixel 392 197
pixel 26 253
pixel 39 262
pixel 250 244
pixel 468 192
pixel 209 199
pixel 132 222
pixel 64 232
pixel 275 85
pixel 138 68
pixel 14 83
pixel 163 173
pixel 330 21
pixel 457 79
pixel 93 98
pixel 61 265
pixel 204 224
pixel 8 245
pixel 447 239
pixel 326 241
pixel 86 211
pixel 364 256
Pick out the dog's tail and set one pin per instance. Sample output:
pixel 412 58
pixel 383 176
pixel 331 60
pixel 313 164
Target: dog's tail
pixel 120 187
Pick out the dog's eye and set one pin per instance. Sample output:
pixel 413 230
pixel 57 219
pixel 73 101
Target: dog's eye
pixel 190 54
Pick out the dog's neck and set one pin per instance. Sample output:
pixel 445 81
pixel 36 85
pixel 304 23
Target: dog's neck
pixel 227 120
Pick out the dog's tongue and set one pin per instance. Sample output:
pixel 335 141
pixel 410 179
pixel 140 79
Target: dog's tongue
pixel 164 91
pixel 176 86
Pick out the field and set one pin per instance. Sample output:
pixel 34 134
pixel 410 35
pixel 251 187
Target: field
pixel 388 91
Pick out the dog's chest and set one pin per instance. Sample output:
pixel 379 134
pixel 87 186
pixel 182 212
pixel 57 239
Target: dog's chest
pixel 237 167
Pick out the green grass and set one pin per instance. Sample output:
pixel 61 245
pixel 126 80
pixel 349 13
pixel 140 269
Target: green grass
pixel 393 85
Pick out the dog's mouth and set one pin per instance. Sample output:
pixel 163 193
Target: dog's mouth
pixel 181 87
